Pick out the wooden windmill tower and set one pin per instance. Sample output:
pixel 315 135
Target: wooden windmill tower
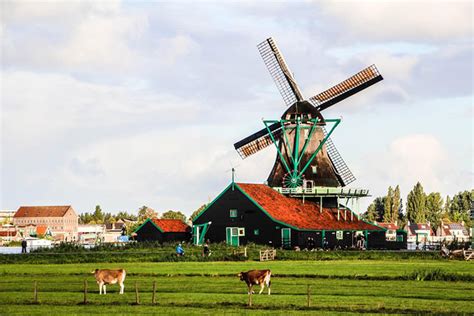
pixel 306 156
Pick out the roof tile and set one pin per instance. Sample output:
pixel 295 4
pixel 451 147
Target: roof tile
pixel 301 215
pixel 171 225
pixel 42 211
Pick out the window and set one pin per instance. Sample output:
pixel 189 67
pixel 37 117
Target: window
pixel 399 237
pixel 256 232
pixel 233 213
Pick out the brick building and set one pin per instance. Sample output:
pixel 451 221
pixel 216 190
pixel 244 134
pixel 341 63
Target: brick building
pixel 61 220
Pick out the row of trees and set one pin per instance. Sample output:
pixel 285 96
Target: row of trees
pixel 420 207
pixel 143 213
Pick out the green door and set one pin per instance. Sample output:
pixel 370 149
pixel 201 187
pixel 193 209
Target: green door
pixel 232 236
pixel 286 237
pixel 199 232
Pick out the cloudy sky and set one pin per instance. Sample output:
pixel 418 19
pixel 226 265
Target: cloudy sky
pixel 125 104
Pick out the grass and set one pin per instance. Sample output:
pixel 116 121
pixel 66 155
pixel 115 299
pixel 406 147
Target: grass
pixel 194 288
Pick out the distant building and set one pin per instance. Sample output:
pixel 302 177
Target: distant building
pixel 163 230
pixel 395 236
pixel 452 231
pixel 90 233
pixel 6 216
pixel 420 234
pixel 9 233
pixel 61 220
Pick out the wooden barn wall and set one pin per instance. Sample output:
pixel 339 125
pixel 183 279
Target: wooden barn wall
pixel 176 237
pixel 249 217
pixel 149 232
pixel 377 240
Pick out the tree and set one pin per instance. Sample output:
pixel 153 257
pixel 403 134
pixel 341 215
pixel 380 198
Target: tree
pixel 397 206
pixel 388 213
pixel 196 212
pixel 375 210
pixel 174 215
pixel 416 204
pixel 98 215
pixel 146 212
pixel 434 209
pixel 125 215
pixel 460 207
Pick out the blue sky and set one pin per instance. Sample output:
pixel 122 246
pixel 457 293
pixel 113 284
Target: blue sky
pixel 125 104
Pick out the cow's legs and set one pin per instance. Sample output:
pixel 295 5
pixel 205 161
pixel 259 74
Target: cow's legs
pixel 269 284
pixel 250 289
pixel 100 288
pixel 262 286
pixel 105 290
pixel 121 287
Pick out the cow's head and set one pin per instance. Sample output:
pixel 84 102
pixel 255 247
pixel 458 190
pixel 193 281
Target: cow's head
pixel 241 275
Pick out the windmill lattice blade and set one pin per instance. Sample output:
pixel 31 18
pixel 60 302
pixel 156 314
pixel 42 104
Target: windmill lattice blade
pixel 342 170
pixel 257 141
pixel 361 80
pixel 279 71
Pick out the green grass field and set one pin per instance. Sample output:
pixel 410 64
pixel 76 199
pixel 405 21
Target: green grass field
pixel 342 286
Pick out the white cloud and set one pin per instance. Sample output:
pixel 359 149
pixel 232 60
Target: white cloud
pixel 413 158
pixel 74 36
pixel 407 20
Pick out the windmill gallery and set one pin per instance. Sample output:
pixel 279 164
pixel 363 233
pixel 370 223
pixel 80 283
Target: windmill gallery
pixel 305 202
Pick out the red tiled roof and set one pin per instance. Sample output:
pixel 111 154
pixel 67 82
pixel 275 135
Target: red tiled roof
pixel 42 211
pixel 171 225
pixel 303 216
pixel 8 233
pixel 388 225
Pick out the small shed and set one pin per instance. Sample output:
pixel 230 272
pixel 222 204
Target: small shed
pixel 163 230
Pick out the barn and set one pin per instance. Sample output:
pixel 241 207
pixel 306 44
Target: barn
pixel 163 230
pixel 257 213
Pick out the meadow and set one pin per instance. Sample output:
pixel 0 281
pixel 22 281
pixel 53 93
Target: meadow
pixel 336 286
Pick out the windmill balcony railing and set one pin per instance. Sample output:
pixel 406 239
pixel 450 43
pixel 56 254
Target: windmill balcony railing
pixel 323 191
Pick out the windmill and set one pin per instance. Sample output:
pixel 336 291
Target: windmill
pixel 306 155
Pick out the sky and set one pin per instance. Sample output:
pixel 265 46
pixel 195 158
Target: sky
pixel 124 104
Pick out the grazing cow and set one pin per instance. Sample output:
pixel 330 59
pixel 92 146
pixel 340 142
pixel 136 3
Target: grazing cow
pixel 256 277
pixel 105 276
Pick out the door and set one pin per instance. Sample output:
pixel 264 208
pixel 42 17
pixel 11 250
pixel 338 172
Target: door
pixel 199 232
pixel 232 236
pixel 286 237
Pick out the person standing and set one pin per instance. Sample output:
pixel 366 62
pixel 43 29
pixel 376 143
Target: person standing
pixel 23 246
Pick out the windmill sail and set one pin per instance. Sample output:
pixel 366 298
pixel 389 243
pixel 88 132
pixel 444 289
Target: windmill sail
pixel 279 71
pixel 360 81
pixel 258 141
pixel 343 172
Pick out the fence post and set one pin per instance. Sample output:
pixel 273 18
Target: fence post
pixel 250 299
pixel 85 291
pixel 245 252
pixel 137 299
pixel 35 293
pixel 308 290
pixel 153 299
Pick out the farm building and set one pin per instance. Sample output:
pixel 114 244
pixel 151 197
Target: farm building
pixel 163 230
pixel 257 213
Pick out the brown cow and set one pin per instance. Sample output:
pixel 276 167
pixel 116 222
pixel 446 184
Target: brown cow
pixel 256 277
pixel 105 276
